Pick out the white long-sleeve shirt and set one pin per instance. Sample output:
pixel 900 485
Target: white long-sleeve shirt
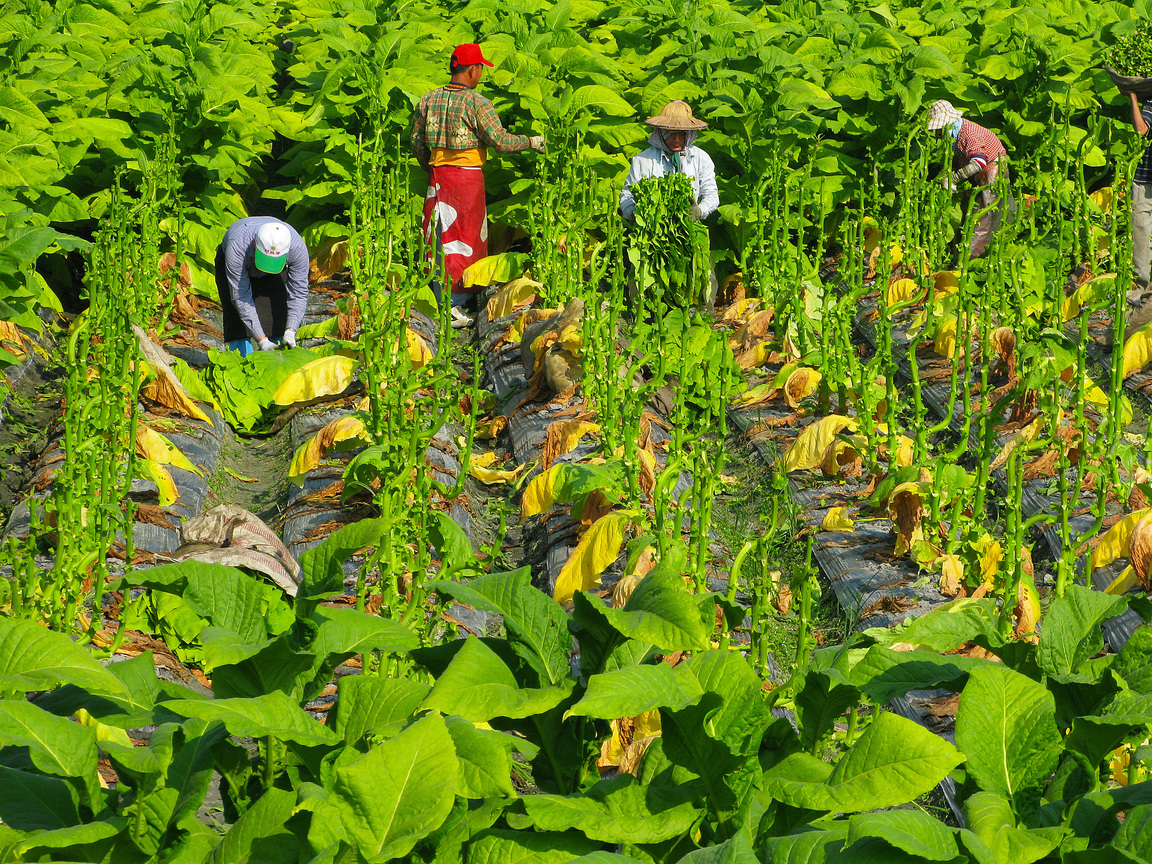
pixel 656 162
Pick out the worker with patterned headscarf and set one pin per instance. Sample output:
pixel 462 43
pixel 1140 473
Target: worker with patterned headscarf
pixel 451 128
pixel 672 149
pixel 978 158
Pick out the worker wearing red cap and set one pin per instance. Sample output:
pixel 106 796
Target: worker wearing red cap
pixel 451 128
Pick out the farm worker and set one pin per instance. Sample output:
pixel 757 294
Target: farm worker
pixel 451 127
pixel 978 157
pixel 261 265
pixel 1141 205
pixel 671 149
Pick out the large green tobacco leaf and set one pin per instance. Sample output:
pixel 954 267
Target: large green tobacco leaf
pixel 989 816
pixel 910 831
pixel 884 674
pixel 945 628
pixel 635 689
pixel 535 622
pixel 272 714
pixel 737 850
pixel 244 387
pixel 1071 632
pixel 260 835
pixel 1135 835
pixel 1134 664
pixel 347 631
pixel 367 702
pixel 479 686
pixel 399 792
pixel 33 802
pixel 1006 727
pixel 527 847
pixel 619 810
pixel 322 568
pixel 485 761
pixel 56 745
pixel 33 658
pixel 661 612
pixel 821 845
pixel 127 712
pixel 819 704
pixel 894 761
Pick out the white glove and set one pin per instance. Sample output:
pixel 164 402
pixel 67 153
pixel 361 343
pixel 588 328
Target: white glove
pixel 290 338
pixel 265 344
pixel 536 142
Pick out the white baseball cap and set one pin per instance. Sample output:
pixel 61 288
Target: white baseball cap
pixel 272 242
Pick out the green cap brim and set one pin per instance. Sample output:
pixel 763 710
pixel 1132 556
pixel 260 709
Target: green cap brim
pixel 270 263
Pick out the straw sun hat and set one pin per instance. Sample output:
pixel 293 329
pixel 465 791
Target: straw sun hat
pixel 676 116
pixel 942 114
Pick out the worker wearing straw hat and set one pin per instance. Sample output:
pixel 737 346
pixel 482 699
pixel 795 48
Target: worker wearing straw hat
pixel 978 157
pixel 671 149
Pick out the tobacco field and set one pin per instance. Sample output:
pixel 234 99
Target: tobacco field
pixel 852 565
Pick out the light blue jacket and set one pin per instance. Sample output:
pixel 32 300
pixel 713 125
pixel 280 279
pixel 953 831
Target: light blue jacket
pixel 656 162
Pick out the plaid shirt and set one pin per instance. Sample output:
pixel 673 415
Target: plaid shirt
pixel 455 117
pixel 1143 174
pixel 976 142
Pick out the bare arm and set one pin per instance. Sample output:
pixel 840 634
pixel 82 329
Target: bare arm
pixel 1137 116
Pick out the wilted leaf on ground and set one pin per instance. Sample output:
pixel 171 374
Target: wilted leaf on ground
pixel 152 445
pixel 1114 543
pixel 158 474
pixel 515 295
pixel 317 447
pixel 836 519
pixel 807 450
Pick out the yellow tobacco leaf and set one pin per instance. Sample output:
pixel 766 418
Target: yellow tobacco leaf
pixel 760 393
pixel 1115 542
pixel 493 270
pixel 901 290
pixel 842 458
pixel 326 376
pixel 1095 291
pixel 158 474
pixel 754 356
pixel 492 476
pixel 515 295
pixel 532 316
pixel 1103 198
pixel 484 460
pixel 741 309
pixel 12 340
pixel 643 726
pixel 152 445
pixel 1093 394
pixel 800 384
pixel 904 451
pixel 488 429
pixel 906 509
pixel 807 450
pixel 165 389
pixel 945 282
pixel 418 351
pixel 562 436
pixel 309 455
pixel 1028 433
pixel 945 342
pixel 1027 607
pixel 836 519
pixel 951 574
pixel 1138 350
pixel 598 548
pixel 990 558
pixel 1123 583
pixel 539 495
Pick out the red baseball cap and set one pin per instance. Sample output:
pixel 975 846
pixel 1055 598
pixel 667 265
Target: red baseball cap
pixel 467 55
